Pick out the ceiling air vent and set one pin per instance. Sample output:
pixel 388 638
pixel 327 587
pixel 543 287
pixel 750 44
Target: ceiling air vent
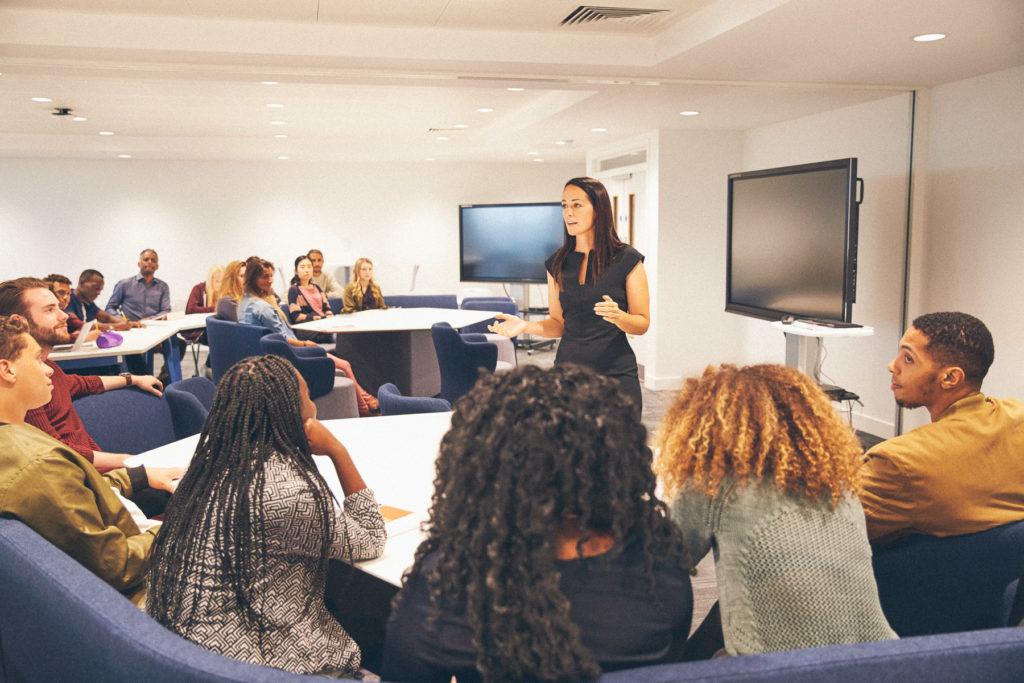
pixel 586 14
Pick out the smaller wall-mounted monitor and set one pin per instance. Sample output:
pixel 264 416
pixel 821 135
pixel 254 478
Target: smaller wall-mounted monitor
pixel 792 242
pixel 508 242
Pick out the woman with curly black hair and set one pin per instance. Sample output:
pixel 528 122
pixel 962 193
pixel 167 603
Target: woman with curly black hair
pixel 240 564
pixel 548 556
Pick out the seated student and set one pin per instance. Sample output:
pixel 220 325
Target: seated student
pixel 258 307
pixel 57 492
pixel 142 297
pixel 306 301
pixel 962 473
pixel 762 469
pixel 362 293
pixel 82 303
pixel 321 277
pixel 60 285
pixel 548 556
pixel 32 300
pixel 240 566
pixel 231 291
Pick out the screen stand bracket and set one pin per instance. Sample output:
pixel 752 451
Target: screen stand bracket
pixel 802 354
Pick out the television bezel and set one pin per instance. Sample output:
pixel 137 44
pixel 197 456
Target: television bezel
pixel 850 240
pixel 462 265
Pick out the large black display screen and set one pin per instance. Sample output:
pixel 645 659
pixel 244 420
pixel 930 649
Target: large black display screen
pixel 508 242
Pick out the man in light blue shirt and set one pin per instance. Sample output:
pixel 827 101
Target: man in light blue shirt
pixel 141 296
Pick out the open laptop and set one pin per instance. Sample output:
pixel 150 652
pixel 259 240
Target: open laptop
pixel 79 339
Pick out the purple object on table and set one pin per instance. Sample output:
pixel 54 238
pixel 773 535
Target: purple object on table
pixel 109 339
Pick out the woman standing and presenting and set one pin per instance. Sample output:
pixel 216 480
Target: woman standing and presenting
pixel 362 293
pixel 548 556
pixel 240 564
pixel 763 470
pixel 597 291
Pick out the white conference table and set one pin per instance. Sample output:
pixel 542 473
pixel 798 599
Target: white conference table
pixel 393 345
pixel 139 340
pixel 395 455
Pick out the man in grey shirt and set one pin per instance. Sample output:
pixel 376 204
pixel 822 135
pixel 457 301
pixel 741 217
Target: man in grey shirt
pixel 142 297
pixel 326 281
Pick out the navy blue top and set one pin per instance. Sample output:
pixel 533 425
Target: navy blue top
pixel 620 621
pixel 84 311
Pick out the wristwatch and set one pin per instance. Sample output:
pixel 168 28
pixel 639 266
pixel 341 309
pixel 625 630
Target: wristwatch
pixel 127 378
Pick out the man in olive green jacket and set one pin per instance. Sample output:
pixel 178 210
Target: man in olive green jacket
pixel 56 491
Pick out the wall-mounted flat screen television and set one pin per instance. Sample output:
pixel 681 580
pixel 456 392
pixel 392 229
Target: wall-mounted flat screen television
pixel 792 241
pixel 508 242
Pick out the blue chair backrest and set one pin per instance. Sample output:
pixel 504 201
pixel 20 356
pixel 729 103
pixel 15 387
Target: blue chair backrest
pixel 393 403
pixel 314 365
pixel 127 420
pixel 928 584
pixel 421 301
pixel 190 404
pixel 60 622
pixel 336 303
pixel 460 359
pixel 504 305
pixel 230 342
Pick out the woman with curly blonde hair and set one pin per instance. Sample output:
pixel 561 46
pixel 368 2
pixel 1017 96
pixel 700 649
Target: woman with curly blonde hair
pixel 760 467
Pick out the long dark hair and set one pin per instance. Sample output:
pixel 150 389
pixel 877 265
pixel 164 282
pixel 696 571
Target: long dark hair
pixel 255 416
pixel 606 242
pixel 526 451
pixel 299 259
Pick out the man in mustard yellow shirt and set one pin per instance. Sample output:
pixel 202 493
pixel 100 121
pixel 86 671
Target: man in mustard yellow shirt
pixel 962 473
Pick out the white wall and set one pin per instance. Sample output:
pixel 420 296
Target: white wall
pixel 65 216
pixel 974 222
pixel 878 134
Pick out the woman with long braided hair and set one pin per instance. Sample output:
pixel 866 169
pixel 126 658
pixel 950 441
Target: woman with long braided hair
pixel 760 467
pixel 548 556
pixel 240 564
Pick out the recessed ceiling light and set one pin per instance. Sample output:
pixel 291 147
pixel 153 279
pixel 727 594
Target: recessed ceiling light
pixel 539 161
pixel 485 110
pixel 559 142
pixel 460 126
pixel 689 113
pixel 124 156
pixel 430 159
pixel 41 99
pixel 277 123
pixel 533 154
pixel 275 105
pixel 106 132
pixel 268 82
pixel 929 37
pixel 282 158
pixel 280 136
pixel 598 130
pixel 515 89
pixel 79 118
pixel 441 137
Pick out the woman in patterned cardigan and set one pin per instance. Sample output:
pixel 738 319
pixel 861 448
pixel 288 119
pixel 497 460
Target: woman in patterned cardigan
pixel 240 565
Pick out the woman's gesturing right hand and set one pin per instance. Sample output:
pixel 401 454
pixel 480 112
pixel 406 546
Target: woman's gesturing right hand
pixel 508 325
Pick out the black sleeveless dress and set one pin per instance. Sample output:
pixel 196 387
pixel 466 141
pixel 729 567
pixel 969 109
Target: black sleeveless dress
pixel 587 339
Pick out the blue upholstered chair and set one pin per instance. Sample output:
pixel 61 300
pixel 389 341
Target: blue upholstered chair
pixel 127 420
pixel 60 622
pixel 190 401
pixel 460 358
pixel 957 583
pixel 393 403
pixel 230 342
pixel 421 301
pixel 483 303
pixel 333 393
pixel 336 303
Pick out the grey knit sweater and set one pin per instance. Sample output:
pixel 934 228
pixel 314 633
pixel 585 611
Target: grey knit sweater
pixel 791 573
